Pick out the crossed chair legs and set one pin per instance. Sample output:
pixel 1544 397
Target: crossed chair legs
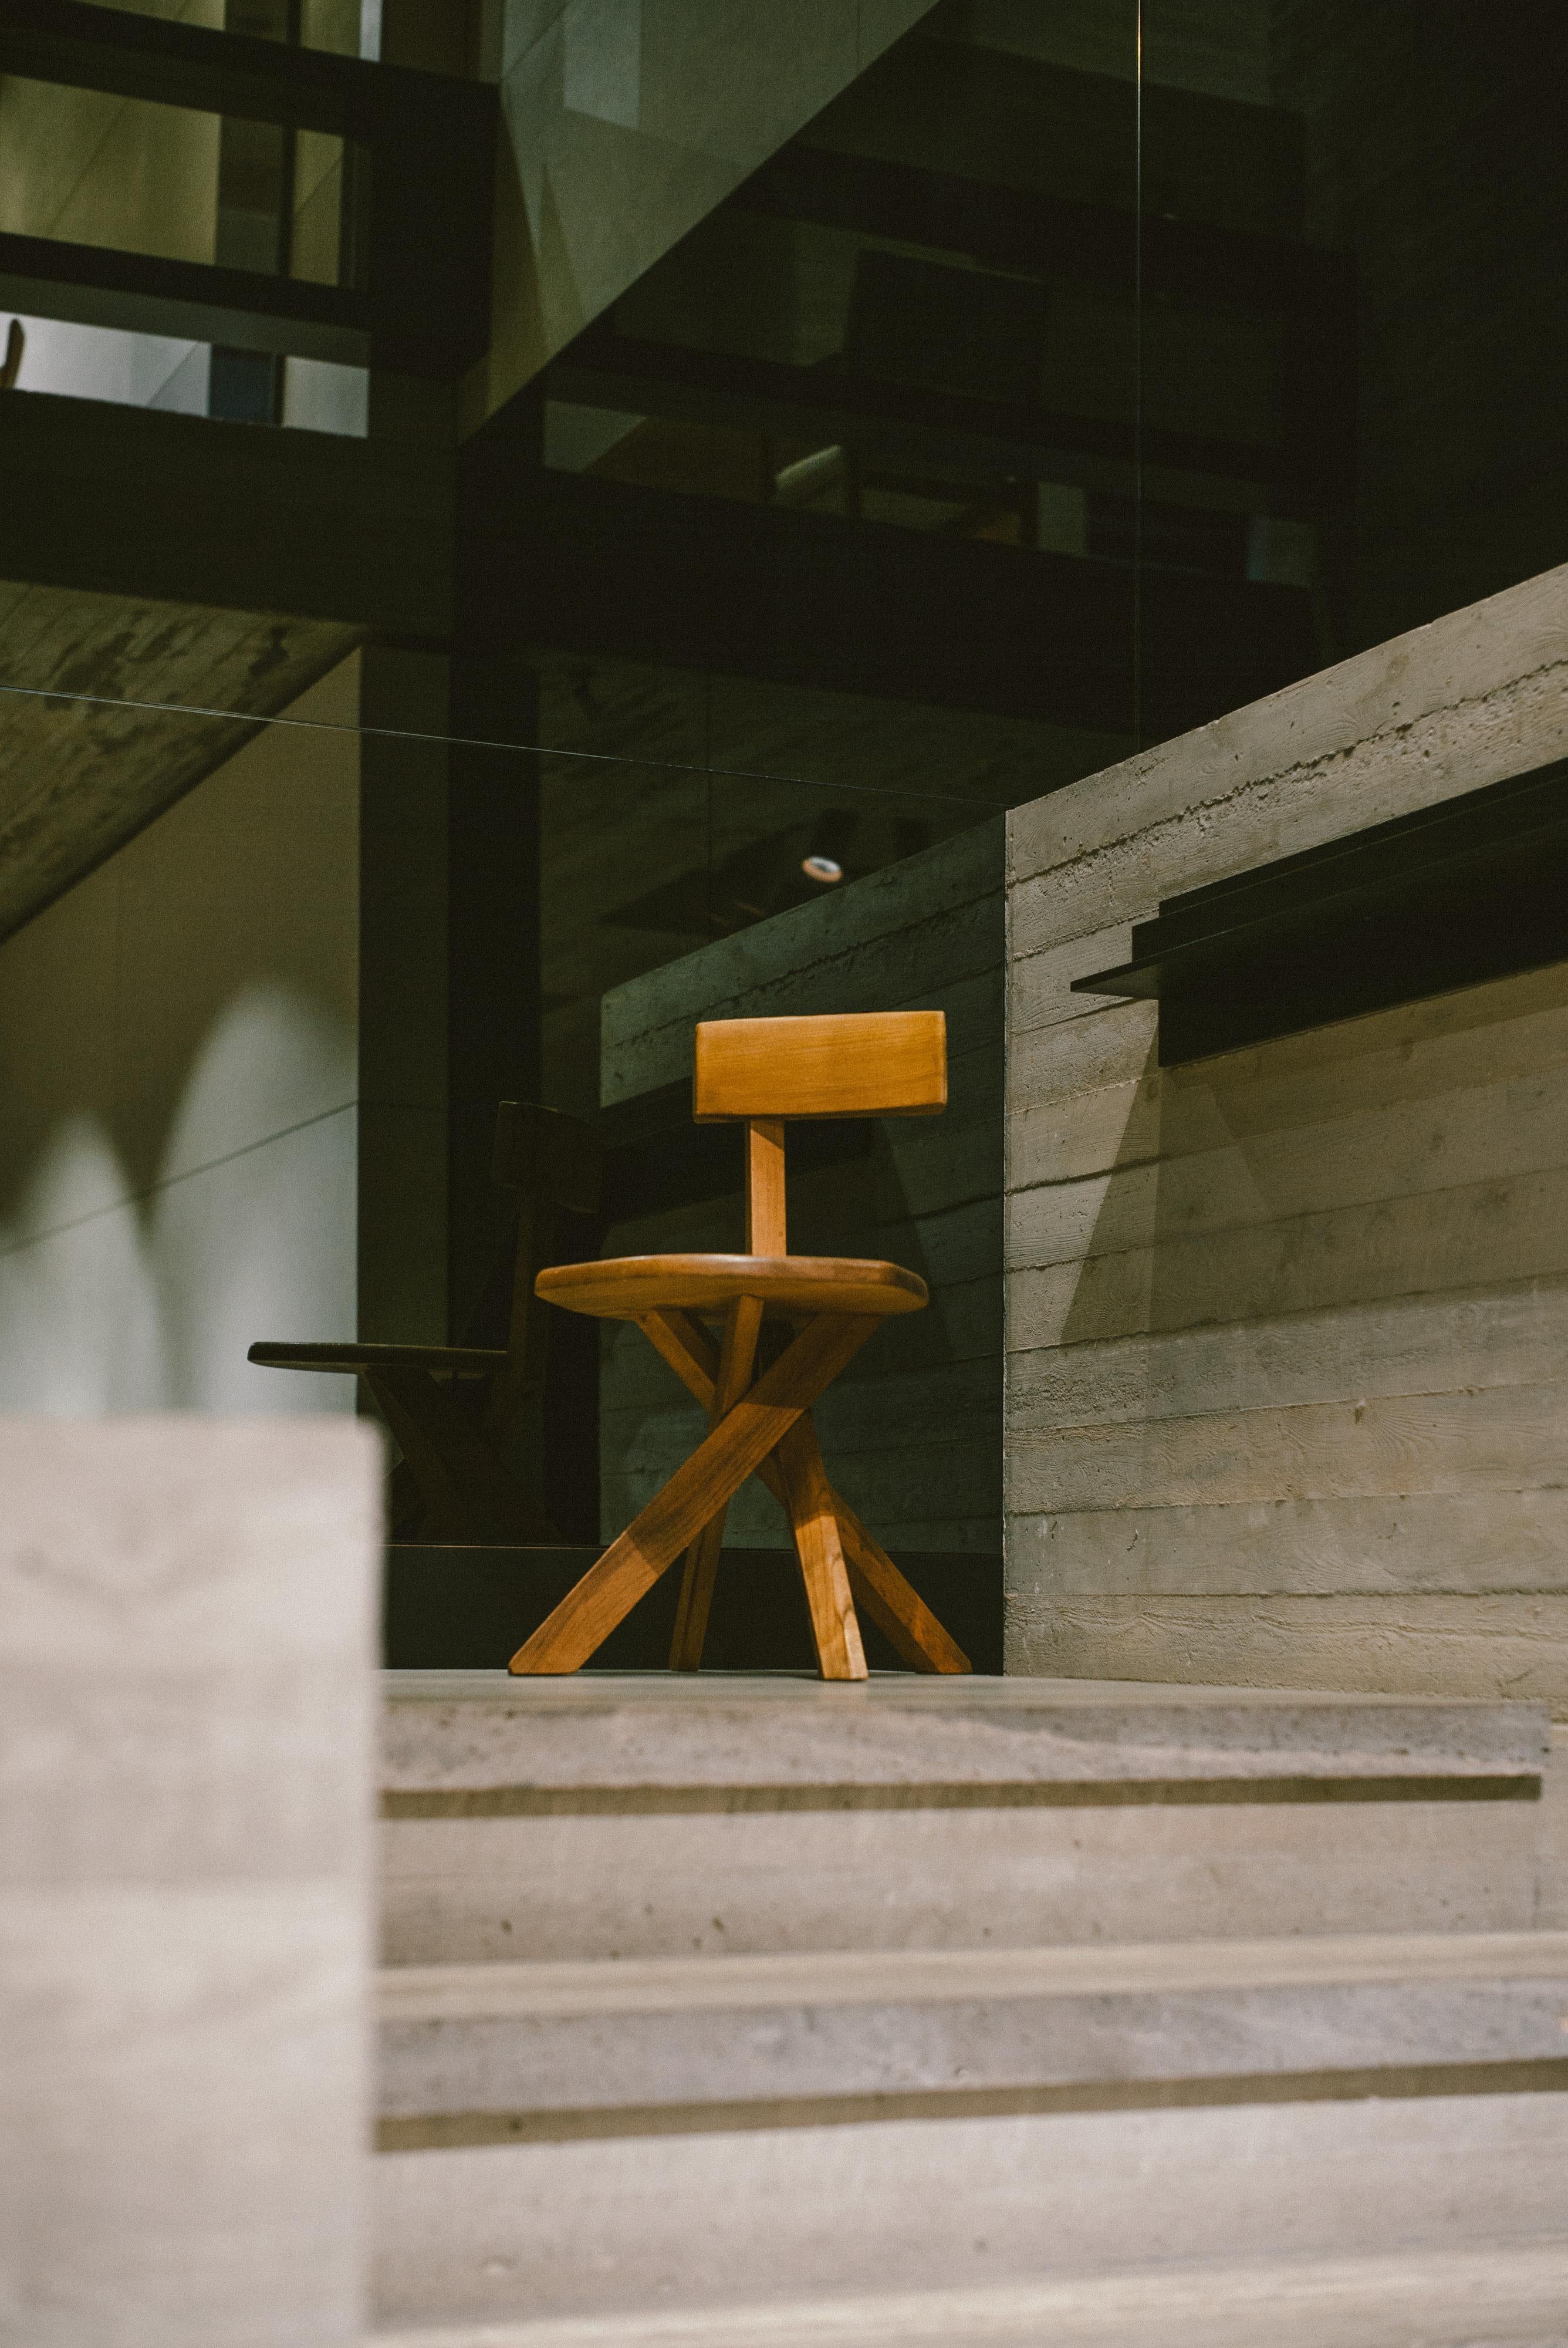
pixel 760 1427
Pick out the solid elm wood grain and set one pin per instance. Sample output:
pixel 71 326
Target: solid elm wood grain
pixel 701 1485
pixel 844 1063
pixel 766 1223
pixel 764 1071
pixel 626 1288
pixel 894 1604
pixel 834 1633
pixel 686 1345
pixel 743 1326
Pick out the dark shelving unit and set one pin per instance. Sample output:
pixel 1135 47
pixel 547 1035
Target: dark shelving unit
pixel 1451 896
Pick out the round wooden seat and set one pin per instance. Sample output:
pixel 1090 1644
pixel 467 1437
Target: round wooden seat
pixel 623 1288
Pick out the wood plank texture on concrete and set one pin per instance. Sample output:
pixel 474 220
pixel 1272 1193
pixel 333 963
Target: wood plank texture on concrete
pixel 187 1721
pixel 1474 1337
pixel 1458 1645
pixel 1436 1543
pixel 1286 1326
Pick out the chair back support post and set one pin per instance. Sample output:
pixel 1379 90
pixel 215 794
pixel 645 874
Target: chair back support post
pixel 840 1063
pixel 765 1212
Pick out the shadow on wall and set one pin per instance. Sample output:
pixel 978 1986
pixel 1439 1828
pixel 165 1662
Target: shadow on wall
pixel 1407 1154
pixel 1298 1413
pixel 113 1299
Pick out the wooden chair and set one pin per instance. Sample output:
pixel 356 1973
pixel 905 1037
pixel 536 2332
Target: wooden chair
pixel 764 1071
pixel 459 1412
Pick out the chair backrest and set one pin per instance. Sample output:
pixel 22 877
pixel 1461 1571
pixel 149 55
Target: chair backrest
pixel 841 1064
pixel 556 1159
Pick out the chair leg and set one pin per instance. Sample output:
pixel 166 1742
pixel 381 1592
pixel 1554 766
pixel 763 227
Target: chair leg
pixel 877 1587
pixel 834 1631
pixel 892 1602
pixel 407 1512
pixel 715 1471
pixel 896 1608
pixel 742 1326
pixel 468 1495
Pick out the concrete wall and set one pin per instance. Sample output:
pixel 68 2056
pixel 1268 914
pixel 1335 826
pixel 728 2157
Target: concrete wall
pixel 187 1620
pixel 178 1094
pixel 623 123
pixel 1287 1327
pixel 912 1431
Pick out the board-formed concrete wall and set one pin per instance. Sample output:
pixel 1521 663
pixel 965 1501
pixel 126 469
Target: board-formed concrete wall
pixel 1287 1328
pixel 913 1431
pixel 187 1726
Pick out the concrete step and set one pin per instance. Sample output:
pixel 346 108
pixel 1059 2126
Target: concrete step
pixel 639 1816
pixel 588 2139
pixel 503 2053
pixel 1493 2298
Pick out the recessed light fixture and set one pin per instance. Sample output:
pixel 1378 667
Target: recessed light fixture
pixel 821 868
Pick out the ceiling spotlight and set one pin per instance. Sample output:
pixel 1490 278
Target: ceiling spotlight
pixel 821 868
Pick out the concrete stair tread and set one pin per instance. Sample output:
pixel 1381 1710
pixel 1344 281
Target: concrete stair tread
pixel 1503 2297
pixel 497 1989
pixel 476 1743
pixel 1180 2018
pixel 656 1815
pixel 485 2053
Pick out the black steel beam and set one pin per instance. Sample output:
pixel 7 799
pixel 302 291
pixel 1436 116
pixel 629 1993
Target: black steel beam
pixel 419 169
pixel 603 369
pixel 127 56
pixel 96 285
pixel 1050 237
pixel 130 502
pixel 575 564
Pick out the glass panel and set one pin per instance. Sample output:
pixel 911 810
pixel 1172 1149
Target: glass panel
pixel 102 171
pixel 1346 230
pixel 813 554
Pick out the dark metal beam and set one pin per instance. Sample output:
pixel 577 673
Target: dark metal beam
pixel 604 369
pixel 1045 236
pixel 96 285
pixel 127 56
pixel 579 565
pixel 131 501
pixel 419 174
